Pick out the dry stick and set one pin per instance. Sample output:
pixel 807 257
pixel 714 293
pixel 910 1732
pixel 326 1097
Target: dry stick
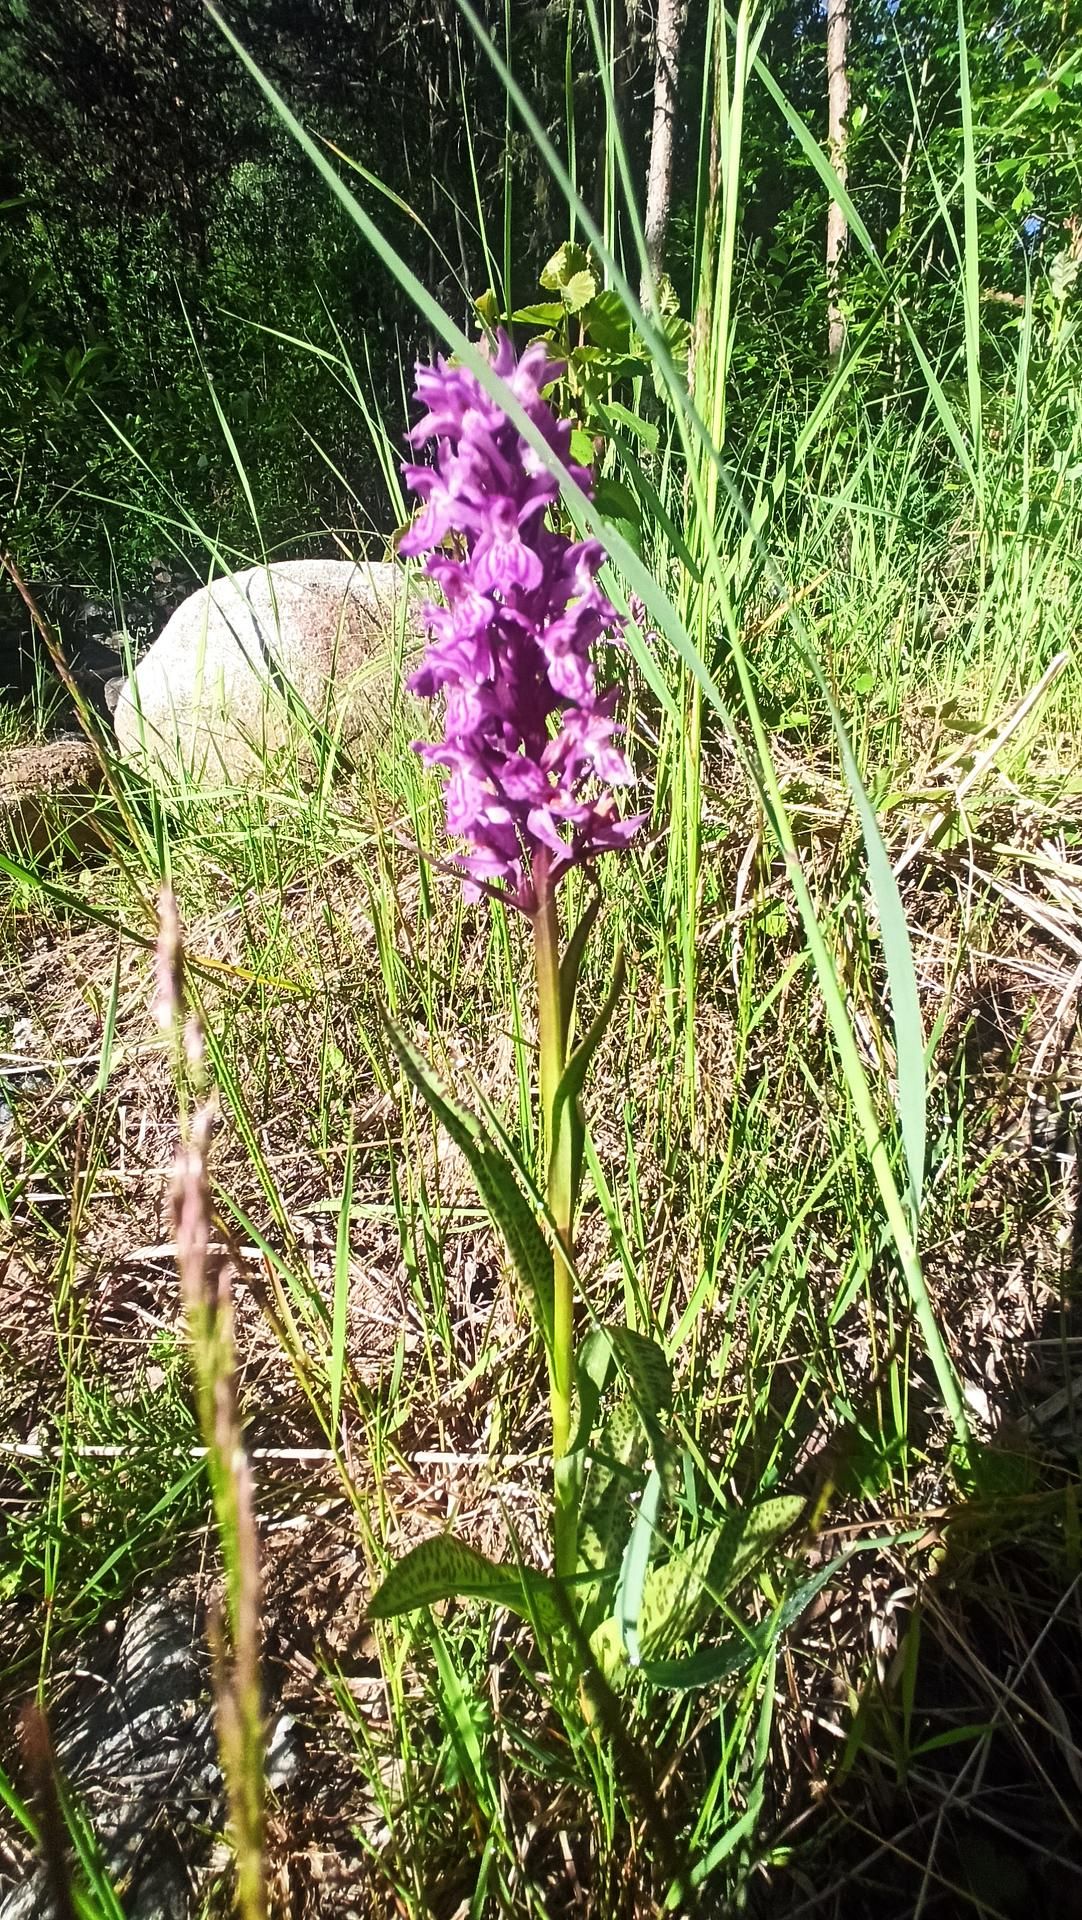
pixel 40 1763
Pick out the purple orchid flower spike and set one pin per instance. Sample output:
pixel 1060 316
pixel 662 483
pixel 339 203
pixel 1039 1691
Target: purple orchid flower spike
pixel 529 745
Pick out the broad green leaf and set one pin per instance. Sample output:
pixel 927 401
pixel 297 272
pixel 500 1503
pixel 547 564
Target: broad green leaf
pixel 673 1597
pixel 607 322
pixel 678 1594
pixel 647 1370
pixel 593 1364
pixel 642 1364
pixel 496 1181
pixel 568 264
pixel 547 313
pixel 749 1537
pixel 616 501
pixel 635 1566
pixel 629 531
pixel 578 292
pixel 595 368
pixel 617 1457
pixel 706 1667
pixel 615 1465
pixel 711 1664
pixel 445 1569
pixel 645 431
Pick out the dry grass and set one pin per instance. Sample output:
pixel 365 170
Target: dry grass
pixel 964 1623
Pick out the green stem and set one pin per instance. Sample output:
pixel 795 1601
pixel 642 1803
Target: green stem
pixel 556 1157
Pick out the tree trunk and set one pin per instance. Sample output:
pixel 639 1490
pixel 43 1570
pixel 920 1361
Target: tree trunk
pixel 671 19
pixel 837 131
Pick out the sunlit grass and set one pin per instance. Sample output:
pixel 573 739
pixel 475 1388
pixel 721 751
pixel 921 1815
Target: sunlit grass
pixel 896 566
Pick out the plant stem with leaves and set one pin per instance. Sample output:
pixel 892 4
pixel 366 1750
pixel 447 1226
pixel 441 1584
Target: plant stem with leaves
pixel 557 1157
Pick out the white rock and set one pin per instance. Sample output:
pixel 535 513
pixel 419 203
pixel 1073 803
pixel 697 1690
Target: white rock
pixel 261 659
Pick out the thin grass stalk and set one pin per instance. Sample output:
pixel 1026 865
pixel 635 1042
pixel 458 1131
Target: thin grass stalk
pixel 208 1307
pixel 766 777
pixel 39 1760
pixel 569 118
pixel 712 333
pixel 971 281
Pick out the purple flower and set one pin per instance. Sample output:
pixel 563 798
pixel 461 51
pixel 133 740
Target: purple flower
pixel 529 747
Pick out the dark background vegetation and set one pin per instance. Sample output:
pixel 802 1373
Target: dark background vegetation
pixel 159 232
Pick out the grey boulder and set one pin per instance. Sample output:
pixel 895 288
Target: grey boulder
pixel 280 656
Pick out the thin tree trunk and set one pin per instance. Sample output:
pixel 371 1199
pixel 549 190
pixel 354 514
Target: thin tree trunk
pixel 837 132
pixel 671 19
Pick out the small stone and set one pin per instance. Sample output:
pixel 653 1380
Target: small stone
pixel 281 1754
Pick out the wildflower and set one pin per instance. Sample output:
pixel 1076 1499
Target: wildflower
pixel 529 748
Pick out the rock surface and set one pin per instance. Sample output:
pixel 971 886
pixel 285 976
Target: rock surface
pixel 47 798
pixel 262 658
pixel 137 1748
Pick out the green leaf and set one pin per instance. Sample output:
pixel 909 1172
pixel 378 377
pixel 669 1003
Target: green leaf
pixel 671 1600
pixel 633 1419
pixel 579 292
pixel 711 1664
pixel 488 307
pixel 607 322
pixel 565 1106
pixel 749 1537
pixel 572 958
pixel 566 264
pixel 444 1568
pixel 496 1181
pixel 647 1371
pixel 593 1365
pixel 616 501
pixel 635 1566
pixel 678 1594
pixel 548 313
pixel 616 1463
pixel 677 334
pixel 645 431
pixel 597 367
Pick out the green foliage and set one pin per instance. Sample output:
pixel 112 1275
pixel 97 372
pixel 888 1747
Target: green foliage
pixel 675 1596
pixel 899 544
pixel 445 1568
pixel 497 1182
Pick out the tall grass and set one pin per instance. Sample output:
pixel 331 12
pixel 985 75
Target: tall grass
pixel 770 1139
